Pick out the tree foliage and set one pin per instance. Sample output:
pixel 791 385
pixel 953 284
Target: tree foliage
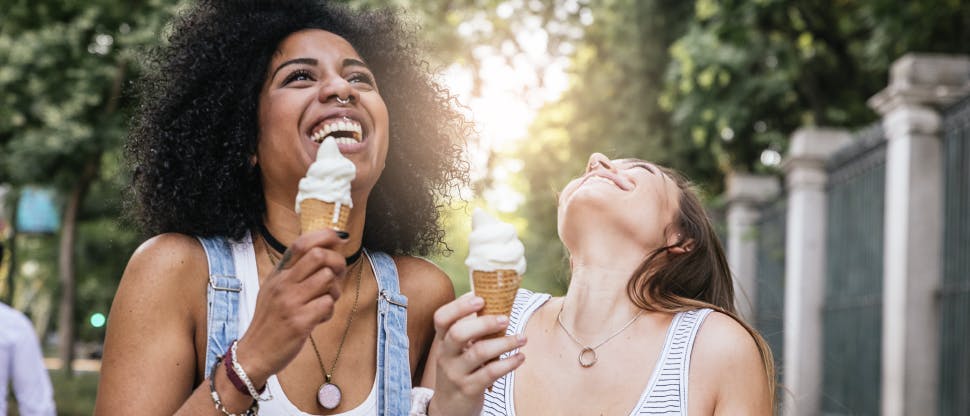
pixel 746 74
pixel 65 67
pixel 707 86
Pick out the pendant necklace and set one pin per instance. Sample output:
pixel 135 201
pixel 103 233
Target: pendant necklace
pixel 587 356
pixel 329 395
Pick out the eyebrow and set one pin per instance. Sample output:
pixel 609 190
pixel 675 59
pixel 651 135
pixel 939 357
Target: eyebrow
pixel 313 62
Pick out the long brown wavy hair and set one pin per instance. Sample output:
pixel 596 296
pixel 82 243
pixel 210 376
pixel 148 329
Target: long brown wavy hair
pixel 697 278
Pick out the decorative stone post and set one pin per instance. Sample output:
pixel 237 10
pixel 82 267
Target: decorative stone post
pixel 805 178
pixel 745 192
pixel 919 85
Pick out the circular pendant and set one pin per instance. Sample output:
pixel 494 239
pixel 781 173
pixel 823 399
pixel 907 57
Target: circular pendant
pixel 328 396
pixel 587 357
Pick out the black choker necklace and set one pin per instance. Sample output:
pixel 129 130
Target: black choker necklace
pixel 280 248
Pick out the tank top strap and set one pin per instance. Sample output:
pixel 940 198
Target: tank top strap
pixel 689 326
pixel 667 391
pixel 222 295
pixel 499 398
pixel 393 362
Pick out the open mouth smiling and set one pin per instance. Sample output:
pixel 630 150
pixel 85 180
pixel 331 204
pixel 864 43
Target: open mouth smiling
pixel 344 130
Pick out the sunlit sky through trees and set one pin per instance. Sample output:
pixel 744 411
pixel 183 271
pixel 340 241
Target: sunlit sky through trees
pixel 516 80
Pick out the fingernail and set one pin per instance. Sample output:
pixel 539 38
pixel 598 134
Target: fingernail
pixel 476 301
pixel 521 339
pixel 343 234
pixel 501 319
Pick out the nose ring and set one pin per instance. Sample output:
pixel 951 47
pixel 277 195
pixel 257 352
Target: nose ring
pixel 343 100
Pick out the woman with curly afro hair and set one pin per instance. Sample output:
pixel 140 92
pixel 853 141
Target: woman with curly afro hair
pixel 229 309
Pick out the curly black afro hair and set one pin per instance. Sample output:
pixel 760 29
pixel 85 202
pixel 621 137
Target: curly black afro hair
pixel 196 129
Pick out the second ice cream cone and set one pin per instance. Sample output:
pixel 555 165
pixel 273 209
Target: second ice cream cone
pixel 498 289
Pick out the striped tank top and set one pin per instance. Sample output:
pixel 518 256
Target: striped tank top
pixel 665 393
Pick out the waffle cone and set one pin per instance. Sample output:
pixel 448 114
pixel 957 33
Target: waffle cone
pixel 498 288
pixel 318 215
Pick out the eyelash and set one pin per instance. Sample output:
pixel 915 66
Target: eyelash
pixel 645 167
pixel 361 77
pixel 355 77
pixel 298 73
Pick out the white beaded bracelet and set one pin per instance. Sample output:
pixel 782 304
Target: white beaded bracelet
pixel 420 398
pixel 253 409
pixel 268 395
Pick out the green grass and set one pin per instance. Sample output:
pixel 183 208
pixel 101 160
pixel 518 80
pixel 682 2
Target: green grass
pixel 74 396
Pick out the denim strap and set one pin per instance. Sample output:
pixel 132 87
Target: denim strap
pixel 223 298
pixel 393 365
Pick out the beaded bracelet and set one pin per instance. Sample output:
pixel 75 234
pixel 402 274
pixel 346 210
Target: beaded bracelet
pixel 237 382
pixel 420 399
pixel 253 410
pixel 257 395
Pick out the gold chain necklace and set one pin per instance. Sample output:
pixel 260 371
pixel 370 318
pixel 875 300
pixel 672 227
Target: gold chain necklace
pixel 329 395
pixel 587 357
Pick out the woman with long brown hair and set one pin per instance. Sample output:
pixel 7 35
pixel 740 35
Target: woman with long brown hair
pixel 650 306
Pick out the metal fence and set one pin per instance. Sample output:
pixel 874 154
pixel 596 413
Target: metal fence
pixel 955 293
pixel 770 278
pixel 852 314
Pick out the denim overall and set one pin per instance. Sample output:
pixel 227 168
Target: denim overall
pixel 393 365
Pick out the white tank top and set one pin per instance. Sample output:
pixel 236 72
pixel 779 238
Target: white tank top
pixel 665 393
pixel 244 258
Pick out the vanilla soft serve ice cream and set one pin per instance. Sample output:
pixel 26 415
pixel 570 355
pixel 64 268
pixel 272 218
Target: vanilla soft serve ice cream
pixel 323 200
pixel 329 177
pixel 494 245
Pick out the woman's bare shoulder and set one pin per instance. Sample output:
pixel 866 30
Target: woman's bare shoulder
pixel 723 341
pixel 152 326
pixel 727 362
pixel 165 270
pixel 423 281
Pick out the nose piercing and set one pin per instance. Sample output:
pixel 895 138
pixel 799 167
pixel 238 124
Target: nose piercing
pixel 343 100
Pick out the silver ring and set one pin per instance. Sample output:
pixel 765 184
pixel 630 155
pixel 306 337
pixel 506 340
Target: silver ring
pixel 343 100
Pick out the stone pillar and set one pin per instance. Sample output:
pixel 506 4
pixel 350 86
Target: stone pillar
pixel 805 178
pixel 913 247
pixel 745 192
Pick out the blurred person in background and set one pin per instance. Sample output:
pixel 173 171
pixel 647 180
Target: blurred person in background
pixel 22 366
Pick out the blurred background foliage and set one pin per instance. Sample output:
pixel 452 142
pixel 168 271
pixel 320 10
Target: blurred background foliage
pixel 707 87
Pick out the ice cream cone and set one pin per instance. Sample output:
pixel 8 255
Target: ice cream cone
pixel 324 199
pixel 318 215
pixel 498 289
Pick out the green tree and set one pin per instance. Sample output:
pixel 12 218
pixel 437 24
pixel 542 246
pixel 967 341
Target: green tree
pixel 746 74
pixel 64 69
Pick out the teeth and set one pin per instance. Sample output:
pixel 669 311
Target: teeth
pixel 347 126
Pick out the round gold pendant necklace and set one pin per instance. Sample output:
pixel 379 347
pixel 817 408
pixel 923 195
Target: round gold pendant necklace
pixel 587 356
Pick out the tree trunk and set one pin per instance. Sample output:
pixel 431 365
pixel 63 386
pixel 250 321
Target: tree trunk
pixel 12 249
pixel 66 330
pixel 65 327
